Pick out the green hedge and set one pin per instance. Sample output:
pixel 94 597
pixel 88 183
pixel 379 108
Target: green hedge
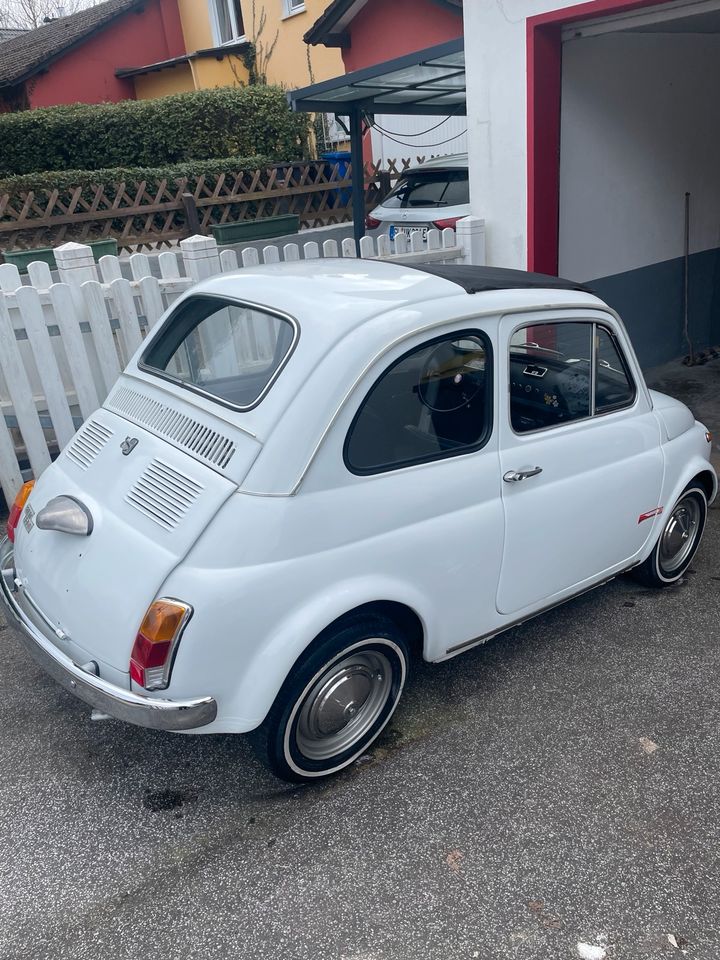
pixel 66 181
pixel 226 122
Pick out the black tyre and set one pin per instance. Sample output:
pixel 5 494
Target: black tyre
pixel 679 539
pixel 336 700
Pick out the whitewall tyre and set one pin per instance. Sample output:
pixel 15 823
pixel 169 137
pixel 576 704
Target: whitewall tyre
pixel 336 701
pixel 680 536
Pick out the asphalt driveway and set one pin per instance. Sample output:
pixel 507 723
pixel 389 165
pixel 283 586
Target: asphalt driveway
pixel 557 786
pixel 551 794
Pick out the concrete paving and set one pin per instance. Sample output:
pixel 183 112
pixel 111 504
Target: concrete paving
pixel 552 794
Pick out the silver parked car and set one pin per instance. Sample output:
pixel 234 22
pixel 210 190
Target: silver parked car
pixel 433 195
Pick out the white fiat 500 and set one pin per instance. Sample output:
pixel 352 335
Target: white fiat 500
pixel 312 473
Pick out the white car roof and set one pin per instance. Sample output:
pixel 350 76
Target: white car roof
pixel 337 299
pixel 452 161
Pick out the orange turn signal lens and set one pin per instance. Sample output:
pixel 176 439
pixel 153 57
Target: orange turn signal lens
pixel 17 508
pixel 708 436
pixel 162 620
pixel 152 654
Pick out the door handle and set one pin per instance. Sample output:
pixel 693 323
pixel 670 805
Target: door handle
pixel 512 476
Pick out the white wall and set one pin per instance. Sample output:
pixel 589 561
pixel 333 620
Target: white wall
pixel 496 97
pixel 640 125
pixel 416 142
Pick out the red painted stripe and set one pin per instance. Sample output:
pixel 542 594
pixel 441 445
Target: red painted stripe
pixel 651 513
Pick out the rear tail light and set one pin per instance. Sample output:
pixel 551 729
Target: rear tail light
pixel 17 508
pixel 156 643
pixel 371 223
pixel 444 224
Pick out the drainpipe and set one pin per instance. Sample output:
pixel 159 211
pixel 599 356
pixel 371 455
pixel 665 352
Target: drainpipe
pixel 686 283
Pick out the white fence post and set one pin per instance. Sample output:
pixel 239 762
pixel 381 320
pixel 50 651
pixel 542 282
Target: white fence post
pixel 201 257
pixel 470 232
pixel 75 263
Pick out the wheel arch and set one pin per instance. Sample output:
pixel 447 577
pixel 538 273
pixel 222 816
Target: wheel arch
pixel 308 625
pixel 709 483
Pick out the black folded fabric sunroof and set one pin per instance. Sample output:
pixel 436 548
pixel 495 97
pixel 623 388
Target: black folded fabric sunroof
pixel 478 279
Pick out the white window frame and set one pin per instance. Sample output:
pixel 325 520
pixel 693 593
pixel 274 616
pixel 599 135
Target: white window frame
pixel 292 7
pixel 215 22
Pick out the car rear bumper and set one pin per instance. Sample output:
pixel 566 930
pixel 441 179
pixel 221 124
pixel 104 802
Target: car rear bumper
pixel 106 697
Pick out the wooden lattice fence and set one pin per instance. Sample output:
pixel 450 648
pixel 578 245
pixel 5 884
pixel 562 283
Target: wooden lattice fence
pixel 144 213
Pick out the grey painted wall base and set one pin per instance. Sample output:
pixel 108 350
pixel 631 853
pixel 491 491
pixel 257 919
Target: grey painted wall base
pixel 650 302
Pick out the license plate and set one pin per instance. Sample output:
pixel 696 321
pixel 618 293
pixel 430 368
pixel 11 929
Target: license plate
pixel 407 231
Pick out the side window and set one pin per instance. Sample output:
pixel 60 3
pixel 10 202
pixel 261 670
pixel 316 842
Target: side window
pixel 550 375
pixel 614 387
pixel 434 402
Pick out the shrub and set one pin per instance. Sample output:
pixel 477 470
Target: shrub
pixel 225 122
pixel 66 181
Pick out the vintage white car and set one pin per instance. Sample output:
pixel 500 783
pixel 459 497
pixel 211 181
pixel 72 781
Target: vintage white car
pixel 313 473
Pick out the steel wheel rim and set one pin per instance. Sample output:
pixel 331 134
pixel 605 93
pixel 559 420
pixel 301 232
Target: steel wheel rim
pixel 679 535
pixel 344 704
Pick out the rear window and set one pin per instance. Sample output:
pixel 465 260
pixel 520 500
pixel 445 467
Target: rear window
pixel 440 188
pixel 228 350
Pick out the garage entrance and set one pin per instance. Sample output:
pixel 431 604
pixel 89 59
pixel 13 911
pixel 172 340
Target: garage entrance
pixel 640 129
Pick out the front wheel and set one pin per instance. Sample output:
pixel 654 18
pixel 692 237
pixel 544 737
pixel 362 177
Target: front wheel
pixel 678 541
pixel 336 701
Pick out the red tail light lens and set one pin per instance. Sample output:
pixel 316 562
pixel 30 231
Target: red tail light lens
pixel 17 508
pixel 154 649
pixel 371 223
pixel 444 224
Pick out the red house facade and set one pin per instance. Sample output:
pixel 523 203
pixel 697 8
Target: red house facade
pixel 369 32
pixel 376 30
pixel 74 59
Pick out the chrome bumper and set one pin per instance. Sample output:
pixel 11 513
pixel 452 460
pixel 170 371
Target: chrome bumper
pixel 104 696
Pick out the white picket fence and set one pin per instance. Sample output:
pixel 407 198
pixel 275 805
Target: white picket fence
pixel 63 345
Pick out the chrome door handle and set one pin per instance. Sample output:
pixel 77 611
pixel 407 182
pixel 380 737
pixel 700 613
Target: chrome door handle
pixel 512 476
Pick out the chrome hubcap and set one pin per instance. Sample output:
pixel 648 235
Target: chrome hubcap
pixel 343 704
pixel 679 535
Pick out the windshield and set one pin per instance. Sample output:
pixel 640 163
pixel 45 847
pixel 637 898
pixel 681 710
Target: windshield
pixel 229 350
pixel 438 188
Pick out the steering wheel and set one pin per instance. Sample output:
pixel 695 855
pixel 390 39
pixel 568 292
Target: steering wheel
pixel 447 381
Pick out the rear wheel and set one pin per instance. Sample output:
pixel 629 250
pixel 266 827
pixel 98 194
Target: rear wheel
pixel 336 701
pixel 678 541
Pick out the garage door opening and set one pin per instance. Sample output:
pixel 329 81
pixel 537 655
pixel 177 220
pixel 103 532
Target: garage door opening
pixel 640 129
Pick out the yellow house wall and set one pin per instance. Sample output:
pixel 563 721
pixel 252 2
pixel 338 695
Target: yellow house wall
pixel 228 72
pixel 161 84
pixel 195 19
pixel 288 65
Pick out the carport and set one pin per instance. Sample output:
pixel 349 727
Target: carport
pixel 429 82
pixel 626 97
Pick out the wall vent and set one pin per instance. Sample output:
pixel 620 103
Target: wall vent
pixel 205 443
pixel 164 494
pixel 88 443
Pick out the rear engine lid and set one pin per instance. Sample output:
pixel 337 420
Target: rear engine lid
pixel 149 501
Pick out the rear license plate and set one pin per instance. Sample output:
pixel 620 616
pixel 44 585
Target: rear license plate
pixel 407 231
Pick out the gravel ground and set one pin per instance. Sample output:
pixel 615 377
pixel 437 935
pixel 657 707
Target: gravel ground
pixel 556 787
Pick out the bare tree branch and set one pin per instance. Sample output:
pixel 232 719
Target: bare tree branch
pixel 29 14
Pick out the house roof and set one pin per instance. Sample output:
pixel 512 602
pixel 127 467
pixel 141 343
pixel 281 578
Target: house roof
pixel 217 52
pixel 7 33
pixel 330 28
pixel 29 52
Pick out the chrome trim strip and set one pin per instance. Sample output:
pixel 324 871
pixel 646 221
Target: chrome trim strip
pixel 467 644
pixel 98 693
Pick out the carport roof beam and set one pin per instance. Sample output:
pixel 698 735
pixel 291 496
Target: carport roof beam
pixel 429 82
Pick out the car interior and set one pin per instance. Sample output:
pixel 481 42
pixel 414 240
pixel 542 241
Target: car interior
pixel 430 403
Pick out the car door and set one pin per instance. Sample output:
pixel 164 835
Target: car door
pixel 580 456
